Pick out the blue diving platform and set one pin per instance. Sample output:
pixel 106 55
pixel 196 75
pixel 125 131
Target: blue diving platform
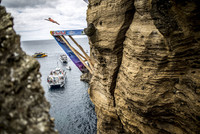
pixel 78 59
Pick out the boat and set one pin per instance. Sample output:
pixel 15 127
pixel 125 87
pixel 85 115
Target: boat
pixel 63 58
pixel 39 55
pixel 57 77
pixel 68 67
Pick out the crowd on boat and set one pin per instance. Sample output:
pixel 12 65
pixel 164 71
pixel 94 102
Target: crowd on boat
pixel 57 77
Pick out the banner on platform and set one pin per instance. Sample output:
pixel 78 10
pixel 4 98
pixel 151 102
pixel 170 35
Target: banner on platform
pixel 67 32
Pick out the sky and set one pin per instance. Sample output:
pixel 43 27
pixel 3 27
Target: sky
pixel 29 16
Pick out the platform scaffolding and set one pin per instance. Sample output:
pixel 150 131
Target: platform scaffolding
pixel 82 61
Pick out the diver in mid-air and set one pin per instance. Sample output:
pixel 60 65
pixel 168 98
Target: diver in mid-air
pixel 51 20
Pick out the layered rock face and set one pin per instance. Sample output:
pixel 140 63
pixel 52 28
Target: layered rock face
pixel 23 107
pixel 147 66
pixel 111 20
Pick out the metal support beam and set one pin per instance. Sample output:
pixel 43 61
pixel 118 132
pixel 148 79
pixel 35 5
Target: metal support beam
pixel 86 56
pixel 77 54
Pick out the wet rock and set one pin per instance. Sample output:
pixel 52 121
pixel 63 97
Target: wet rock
pixel 23 107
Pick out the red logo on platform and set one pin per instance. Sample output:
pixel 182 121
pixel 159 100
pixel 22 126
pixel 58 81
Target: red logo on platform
pixel 59 32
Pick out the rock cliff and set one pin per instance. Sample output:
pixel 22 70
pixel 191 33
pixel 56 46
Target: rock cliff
pixel 147 67
pixel 23 107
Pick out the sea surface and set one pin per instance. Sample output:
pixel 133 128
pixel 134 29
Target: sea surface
pixel 70 106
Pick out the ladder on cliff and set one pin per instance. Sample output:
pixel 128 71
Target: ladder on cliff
pixel 80 60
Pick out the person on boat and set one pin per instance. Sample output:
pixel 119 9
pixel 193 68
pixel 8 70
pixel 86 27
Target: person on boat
pixel 51 20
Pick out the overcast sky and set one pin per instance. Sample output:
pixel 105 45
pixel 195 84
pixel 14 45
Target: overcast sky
pixel 29 16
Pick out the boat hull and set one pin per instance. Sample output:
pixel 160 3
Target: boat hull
pixel 39 55
pixel 63 61
pixel 56 86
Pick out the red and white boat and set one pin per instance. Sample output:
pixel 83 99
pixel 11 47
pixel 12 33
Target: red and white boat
pixel 57 77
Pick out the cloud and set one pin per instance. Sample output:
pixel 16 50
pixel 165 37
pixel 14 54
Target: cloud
pixel 23 3
pixel 30 24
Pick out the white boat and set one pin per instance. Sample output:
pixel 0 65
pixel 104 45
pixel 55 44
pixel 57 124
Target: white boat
pixel 63 58
pixel 68 68
pixel 57 77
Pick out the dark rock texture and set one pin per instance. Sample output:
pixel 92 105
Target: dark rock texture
pixel 23 107
pixel 86 77
pixel 90 30
pixel 147 66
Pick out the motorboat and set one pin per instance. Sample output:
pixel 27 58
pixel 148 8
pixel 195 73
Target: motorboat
pixel 68 67
pixel 39 55
pixel 57 77
pixel 63 58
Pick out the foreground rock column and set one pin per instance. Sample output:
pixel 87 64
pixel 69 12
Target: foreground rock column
pixel 23 107
pixel 150 82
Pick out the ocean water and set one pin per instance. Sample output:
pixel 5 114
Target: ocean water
pixel 70 106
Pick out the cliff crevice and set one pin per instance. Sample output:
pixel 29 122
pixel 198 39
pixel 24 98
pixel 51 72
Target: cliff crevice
pixel 106 50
